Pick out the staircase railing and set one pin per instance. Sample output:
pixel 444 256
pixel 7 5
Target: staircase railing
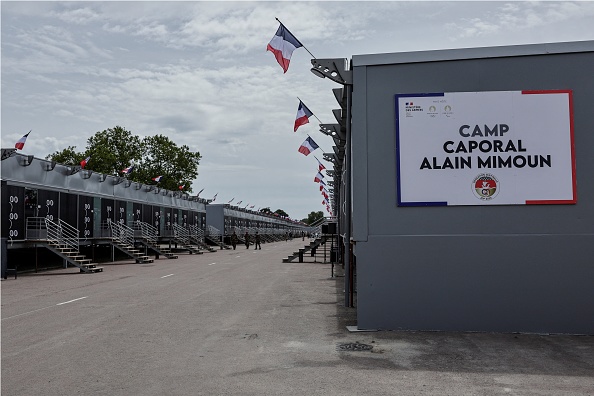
pixel 68 234
pixel 197 233
pixel 121 232
pixel 213 233
pixel 36 228
pixel 147 231
pixel 180 233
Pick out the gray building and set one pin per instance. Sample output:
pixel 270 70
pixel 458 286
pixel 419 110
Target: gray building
pixel 476 265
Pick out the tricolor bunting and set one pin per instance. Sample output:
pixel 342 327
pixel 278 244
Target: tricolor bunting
pixel 318 177
pixel 128 169
pixel 21 142
pixel 321 166
pixel 308 146
pixel 303 114
pixel 157 179
pixel 84 162
pixel 282 45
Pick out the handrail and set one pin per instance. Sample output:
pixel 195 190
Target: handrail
pixel 36 228
pixel 181 233
pixel 147 231
pixel 213 232
pixel 196 232
pixel 319 222
pixel 69 234
pixel 121 232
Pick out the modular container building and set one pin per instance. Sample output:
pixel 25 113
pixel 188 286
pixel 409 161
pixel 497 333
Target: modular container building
pixel 472 191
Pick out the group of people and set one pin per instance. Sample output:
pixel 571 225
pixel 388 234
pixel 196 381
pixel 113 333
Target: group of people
pixel 246 237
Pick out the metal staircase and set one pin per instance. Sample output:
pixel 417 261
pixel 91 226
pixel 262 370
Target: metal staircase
pixel 313 245
pixel 197 237
pixel 122 237
pixel 213 235
pixel 181 236
pixel 149 237
pixel 62 239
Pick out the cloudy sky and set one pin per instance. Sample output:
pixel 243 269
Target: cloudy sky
pixel 199 72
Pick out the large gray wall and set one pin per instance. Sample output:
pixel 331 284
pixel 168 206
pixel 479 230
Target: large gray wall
pixel 426 268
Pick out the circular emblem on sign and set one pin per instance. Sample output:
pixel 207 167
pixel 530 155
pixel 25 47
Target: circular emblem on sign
pixel 485 186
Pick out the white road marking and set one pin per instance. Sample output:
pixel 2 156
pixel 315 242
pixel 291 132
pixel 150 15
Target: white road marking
pixel 76 299
pixel 212 264
pixel 166 276
pixel 26 313
pixel 41 309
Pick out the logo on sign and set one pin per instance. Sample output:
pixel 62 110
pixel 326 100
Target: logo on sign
pixel 485 186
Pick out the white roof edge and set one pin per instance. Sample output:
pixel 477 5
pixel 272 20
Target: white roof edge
pixel 473 53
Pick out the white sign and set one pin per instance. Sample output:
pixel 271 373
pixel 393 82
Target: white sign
pixel 485 148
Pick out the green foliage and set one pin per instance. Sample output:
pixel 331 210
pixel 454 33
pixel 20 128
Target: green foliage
pixel 313 217
pixel 114 149
pixel 177 165
pixel 68 156
pixel 266 210
pixel 281 213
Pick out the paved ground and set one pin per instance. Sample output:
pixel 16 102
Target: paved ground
pixel 243 323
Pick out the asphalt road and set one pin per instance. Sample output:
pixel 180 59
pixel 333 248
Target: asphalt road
pixel 244 323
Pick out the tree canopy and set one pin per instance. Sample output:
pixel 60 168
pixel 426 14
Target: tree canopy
pixel 278 212
pixel 313 217
pixel 114 149
pixel 281 213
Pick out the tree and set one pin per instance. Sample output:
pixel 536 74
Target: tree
pixel 68 156
pixel 162 157
pixel 114 149
pixel 281 213
pixel 313 217
pixel 266 210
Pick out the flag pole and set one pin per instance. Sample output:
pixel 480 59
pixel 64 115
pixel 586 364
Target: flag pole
pixel 295 38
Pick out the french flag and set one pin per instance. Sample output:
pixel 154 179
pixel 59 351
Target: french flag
pixel 321 166
pixel 282 45
pixel 157 179
pixel 303 114
pixel 84 162
pixel 21 143
pixel 128 170
pixel 308 146
pixel 318 177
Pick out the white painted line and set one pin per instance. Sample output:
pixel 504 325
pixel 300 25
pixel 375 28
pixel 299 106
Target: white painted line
pixel 67 302
pixel 26 313
pixel 237 256
pixel 166 276
pixel 212 264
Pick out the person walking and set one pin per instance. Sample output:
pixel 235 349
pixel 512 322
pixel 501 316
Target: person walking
pixel 247 240
pixel 234 240
pixel 257 244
